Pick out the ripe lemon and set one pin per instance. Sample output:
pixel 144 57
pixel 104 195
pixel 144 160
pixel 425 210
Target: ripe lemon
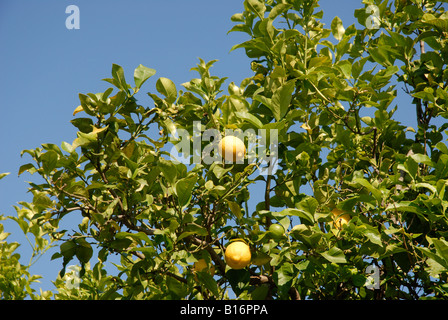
pixel 276 230
pixel 238 255
pixel 201 265
pixel 232 148
pixel 340 218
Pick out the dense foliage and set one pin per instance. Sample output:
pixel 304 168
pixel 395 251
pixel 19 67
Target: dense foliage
pixel 340 85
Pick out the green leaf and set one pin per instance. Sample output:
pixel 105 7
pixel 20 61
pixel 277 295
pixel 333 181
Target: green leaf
pixel 334 255
pixel 235 208
pixel 443 265
pixel 27 167
pixel 176 288
pixel 2 175
pixel 118 77
pixel 278 10
pixel 141 74
pixel 42 200
pixel 84 250
pixel 422 158
pixel 237 17
pixel 184 188
pixel 309 205
pixel 442 147
pixel 84 139
pixel 208 281
pixel 139 236
pixel 282 98
pixel 441 24
pixel 411 167
pixel 305 216
pixel 383 55
pixel 193 228
pixel 49 160
pixel 120 244
pixel 359 279
pixel 373 235
pixel 375 192
pixel 68 249
pixel 256 6
pixel 284 274
pixel 337 29
pixel 280 101
pixel 427 186
pixel 238 279
pixel 169 170
pixel 441 248
pixel 83 124
pixel 167 88
pixel 268 103
pixel 406 206
pixel 249 118
pixel 67 147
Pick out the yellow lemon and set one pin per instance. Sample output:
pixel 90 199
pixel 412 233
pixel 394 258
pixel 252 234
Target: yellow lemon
pixel 238 255
pixel 232 148
pixel 340 218
pixel 201 265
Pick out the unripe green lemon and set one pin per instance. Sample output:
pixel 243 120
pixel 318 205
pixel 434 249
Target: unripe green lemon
pixel 276 230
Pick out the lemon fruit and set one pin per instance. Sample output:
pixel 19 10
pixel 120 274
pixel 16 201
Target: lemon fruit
pixel 238 255
pixel 340 218
pixel 232 148
pixel 276 230
pixel 201 265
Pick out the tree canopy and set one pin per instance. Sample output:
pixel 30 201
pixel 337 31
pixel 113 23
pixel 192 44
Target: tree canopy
pixel 318 113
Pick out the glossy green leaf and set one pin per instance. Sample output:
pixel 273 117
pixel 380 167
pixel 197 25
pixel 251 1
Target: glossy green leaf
pixel 256 6
pixel 334 255
pixel 209 282
pixel 252 119
pixel 337 28
pixel 141 74
pixel 282 99
pixel 305 215
pixel 27 167
pixel 2 175
pixel 84 250
pixel 184 188
pixel 118 77
pixel 375 192
pixel 235 208
pixel 49 160
pixel 168 170
pixel 167 88
pixel 278 10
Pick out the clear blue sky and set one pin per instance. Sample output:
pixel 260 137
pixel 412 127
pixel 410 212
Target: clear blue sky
pixel 44 66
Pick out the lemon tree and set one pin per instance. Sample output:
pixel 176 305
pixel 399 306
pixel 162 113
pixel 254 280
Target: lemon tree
pixel 329 94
